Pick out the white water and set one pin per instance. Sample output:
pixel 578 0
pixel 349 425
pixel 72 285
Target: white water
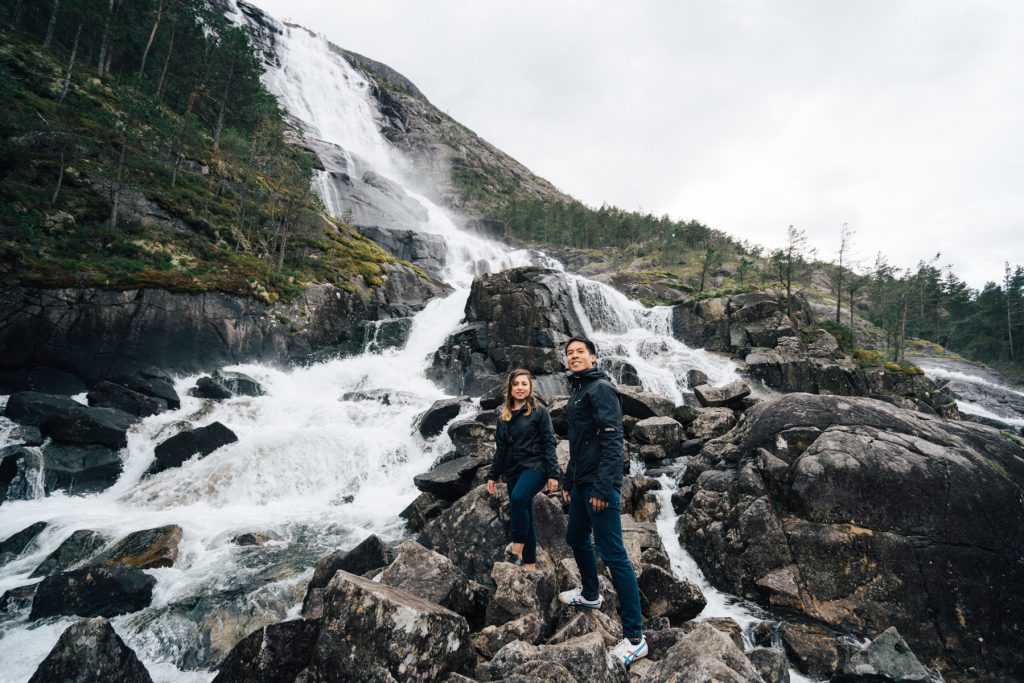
pixel 1004 414
pixel 313 470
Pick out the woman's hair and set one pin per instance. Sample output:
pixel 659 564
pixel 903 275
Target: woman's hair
pixel 506 410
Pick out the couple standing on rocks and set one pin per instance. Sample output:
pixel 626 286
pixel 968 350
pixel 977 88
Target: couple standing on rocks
pixel 525 458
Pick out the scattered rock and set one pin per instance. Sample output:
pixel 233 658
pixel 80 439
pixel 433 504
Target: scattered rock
pixel 451 480
pixel 771 663
pixel 695 378
pixel 582 622
pixel 490 639
pixel 643 404
pixel 472 439
pixel 472 533
pixel 663 431
pixel 814 650
pixel 438 415
pixel 712 422
pixel 173 452
pixel 887 658
pixel 252 539
pixel 78 547
pixel 91 650
pixel 729 395
pixel 662 595
pixel 424 508
pixel 370 554
pixel 519 592
pixel 238 383
pixel 146 549
pixel 110 395
pixel 207 387
pixel 94 591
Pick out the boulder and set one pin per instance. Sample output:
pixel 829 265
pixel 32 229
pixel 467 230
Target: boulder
pixel 42 379
pixel 439 414
pixel 424 508
pixel 581 622
pixel 91 650
pixel 278 652
pixel 434 578
pixel 663 431
pixel 729 395
pixel 94 591
pixel 815 650
pixel 252 538
pixel 450 480
pixel 371 553
pixel 472 533
pixel 583 658
pixel 771 663
pixel 146 549
pixel 37 409
pixel 79 469
pixel 16 465
pixel 662 595
pixel 643 404
pixel 695 378
pixel 887 658
pixel 472 439
pixel 639 536
pixel 155 384
pixel 91 426
pixel 386 629
pixel 17 599
pixel 173 452
pixel 76 548
pixel 703 655
pixel 490 639
pixel 519 593
pixel 238 383
pixel 623 372
pixel 712 422
pixel 209 388
pixel 27 435
pixel 15 544
pixel 109 395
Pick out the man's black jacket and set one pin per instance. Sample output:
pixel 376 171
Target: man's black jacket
pixel 525 442
pixel 594 414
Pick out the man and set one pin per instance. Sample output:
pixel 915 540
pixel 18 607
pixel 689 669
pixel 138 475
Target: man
pixel 592 487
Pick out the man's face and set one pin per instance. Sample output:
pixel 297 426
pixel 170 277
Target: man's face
pixel 578 357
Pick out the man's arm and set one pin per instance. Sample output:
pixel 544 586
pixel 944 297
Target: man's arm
pixel 607 412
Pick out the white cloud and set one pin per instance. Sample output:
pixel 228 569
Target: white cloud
pixel 901 118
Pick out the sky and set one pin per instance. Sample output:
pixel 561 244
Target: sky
pixel 903 119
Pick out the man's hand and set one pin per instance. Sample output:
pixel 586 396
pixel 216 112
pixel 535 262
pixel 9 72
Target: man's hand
pixel 565 495
pixel 491 488
pixel 552 485
pixel 597 504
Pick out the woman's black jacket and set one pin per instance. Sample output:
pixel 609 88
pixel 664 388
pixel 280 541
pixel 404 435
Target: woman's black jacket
pixel 525 442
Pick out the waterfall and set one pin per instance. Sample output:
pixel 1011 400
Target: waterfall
pixel 313 468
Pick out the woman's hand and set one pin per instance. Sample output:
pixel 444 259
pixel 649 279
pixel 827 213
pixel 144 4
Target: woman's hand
pixel 552 485
pixel 491 488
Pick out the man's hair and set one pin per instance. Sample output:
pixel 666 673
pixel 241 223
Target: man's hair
pixel 583 340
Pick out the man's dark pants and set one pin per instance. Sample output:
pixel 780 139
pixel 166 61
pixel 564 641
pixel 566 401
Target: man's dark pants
pixel 606 526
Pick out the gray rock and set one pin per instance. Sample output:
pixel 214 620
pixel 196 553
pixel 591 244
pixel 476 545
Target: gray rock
pixel 663 431
pixel 712 422
pixel 520 592
pixel 91 650
pixel 642 404
pixel 439 414
pixel 588 621
pixel 278 652
pixel 421 249
pixel 450 480
pixel 146 549
pixel 490 639
pixel 814 650
pixel 78 469
pixel 434 578
pixel 15 544
pixel 887 658
pixel 695 378
pixel 729 395
pixel 424 508
pixel 472 439
pixel 208 387
pixel 94 591
pixel 370 554
pixel 173 452
pixel 109 395
pixel 584 658
pixel 704 655
pixel 41 379
pixel 238 383
pixel 472 533
pixel 27 434
pixel 156 385
pixel 662 595
pixel 771 663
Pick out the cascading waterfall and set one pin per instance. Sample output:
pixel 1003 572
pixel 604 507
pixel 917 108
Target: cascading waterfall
pixel 312 468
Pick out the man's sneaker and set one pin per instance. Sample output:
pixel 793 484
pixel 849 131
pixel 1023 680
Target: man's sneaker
pixel 575 598
pixel 512 558
pixel 627 653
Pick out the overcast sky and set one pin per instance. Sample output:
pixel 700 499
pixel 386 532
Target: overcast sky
pixel 902 118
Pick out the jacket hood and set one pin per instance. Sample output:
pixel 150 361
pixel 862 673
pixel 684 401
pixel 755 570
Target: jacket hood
pixel 588 375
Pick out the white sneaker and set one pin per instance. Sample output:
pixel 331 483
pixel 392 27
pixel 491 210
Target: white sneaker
pixel 575 598
pixel 627 653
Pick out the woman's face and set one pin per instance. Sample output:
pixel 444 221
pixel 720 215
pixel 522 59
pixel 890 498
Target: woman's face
pixel 521 388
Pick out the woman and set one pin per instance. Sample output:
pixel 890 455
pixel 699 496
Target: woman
pixel 524 456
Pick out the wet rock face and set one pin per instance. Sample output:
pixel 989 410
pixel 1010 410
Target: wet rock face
pixel 863 516
pixel 77 468
pixel 91 650
pixel 109 395
pixel 516 318
pixel 439 414
pixel 147 549
pixel 67 420
pixel 173 452
pixel 15 544
pixel 104 591
pixel 77 547
pixel 420 249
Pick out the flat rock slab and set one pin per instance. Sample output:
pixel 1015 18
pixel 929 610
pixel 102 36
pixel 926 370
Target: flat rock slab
pixel 94 591
pixel 731 394
pixel 451 480
pixel 91 651
pixel 643 404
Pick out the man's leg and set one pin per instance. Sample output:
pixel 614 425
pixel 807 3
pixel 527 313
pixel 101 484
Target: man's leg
pixel 577 535
pixel 607 526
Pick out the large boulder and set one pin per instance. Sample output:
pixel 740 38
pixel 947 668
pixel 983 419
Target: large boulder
pixel 661 431
pixel 278 652
pixel 94 591
pixel 515 318
pixel 433 577
pixel 472 439
pixel 37 409
pixel 662 595
pixel 174 451
pixel 369 554
pixel 712 422
pixel 109 395
pixel 584 659
pixel 704 655
pixel 718 397
pixel 450 480
pixel 472 533
pixel 91 650
pixel 887 658
pixel 424 508
pixel 490 639
pixel 386 629
pixel 440 413
pixel 865 516
pixel 238 383
pixel 643 404
pixel 519 593
pixel 15 544
pixel 78 469
pixel 67 420
pixel 146 549
pixel 815 650
pixel 209 388
pixel 154 383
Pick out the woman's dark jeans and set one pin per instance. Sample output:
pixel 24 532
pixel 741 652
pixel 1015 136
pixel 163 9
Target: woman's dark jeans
pixel 606 526
pixel 522 489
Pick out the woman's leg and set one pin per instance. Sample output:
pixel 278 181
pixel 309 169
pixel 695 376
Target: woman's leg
pixel 521 496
